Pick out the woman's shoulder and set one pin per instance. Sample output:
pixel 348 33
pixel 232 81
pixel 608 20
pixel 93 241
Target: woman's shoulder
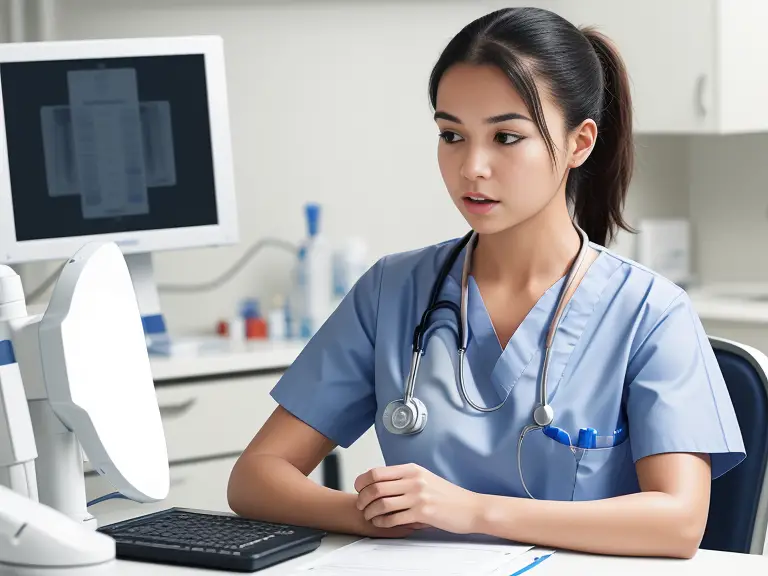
pixel 638 288
pixel 415 264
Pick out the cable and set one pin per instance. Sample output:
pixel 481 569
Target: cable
pixel 109 496
pixel 233 270
pixel 188 288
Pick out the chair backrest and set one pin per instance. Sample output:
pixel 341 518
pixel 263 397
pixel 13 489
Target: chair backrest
pixel 738 511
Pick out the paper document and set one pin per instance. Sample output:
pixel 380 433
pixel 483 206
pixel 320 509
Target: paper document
pixel 425 555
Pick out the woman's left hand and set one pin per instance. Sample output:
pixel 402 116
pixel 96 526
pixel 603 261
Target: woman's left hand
pixel 409 494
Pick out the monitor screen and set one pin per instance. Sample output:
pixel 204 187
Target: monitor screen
pixel 108 145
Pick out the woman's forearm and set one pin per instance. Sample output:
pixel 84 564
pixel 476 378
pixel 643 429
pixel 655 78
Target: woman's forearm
pixel 272 489
pixel 643 524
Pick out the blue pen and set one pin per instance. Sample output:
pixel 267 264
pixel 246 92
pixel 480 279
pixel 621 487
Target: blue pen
pixel 587 438
pixel 536 561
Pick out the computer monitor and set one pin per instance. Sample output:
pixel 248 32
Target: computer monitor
pixel 125 140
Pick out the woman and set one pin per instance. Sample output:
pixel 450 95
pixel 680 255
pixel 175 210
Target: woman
pixel 618 455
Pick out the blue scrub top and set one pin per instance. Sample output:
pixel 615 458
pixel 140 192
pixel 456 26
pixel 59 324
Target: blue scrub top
pixel 630 352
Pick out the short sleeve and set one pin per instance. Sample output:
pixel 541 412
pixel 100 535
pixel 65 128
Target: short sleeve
pixel 330 385
pixel 677 400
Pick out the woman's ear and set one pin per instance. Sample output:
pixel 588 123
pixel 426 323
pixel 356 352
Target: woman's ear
pixel 582 141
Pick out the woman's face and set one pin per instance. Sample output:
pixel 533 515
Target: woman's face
pixel 494 162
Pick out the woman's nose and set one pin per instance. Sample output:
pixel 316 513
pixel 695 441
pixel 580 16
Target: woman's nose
pixel 476 164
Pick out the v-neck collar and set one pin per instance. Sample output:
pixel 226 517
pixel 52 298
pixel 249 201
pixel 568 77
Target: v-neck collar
pixel 503 367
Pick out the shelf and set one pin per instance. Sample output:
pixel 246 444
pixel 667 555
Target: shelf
pixel 197 358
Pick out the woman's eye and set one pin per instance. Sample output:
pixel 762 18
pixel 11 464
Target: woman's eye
pixel 505 138
pixel 450 137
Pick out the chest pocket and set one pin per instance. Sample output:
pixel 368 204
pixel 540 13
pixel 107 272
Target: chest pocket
pixel 547 467
pixel 554 471
pixel 605 472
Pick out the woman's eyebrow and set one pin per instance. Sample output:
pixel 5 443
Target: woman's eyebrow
pixel 507 116
pixel 492 120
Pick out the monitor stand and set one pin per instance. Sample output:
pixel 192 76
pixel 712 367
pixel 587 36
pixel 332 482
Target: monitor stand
pixel 159 341
pixel 143 278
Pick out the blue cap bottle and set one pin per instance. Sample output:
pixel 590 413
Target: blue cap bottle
pixel 312 211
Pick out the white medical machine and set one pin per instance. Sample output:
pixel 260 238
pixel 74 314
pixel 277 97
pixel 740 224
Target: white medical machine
pixel 74 379
pixel 124 141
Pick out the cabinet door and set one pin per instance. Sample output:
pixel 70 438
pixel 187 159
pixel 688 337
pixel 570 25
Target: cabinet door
pixel 669 48
pixel 214 418
pixel 742 81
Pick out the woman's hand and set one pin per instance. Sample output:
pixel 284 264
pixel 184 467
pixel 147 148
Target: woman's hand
pixel 411 495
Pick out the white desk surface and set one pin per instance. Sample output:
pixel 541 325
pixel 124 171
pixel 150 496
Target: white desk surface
pixel 560 564
pixel 191 361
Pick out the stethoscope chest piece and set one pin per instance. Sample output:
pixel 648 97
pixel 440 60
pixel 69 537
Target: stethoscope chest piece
pixel 543 415
pixel 401 417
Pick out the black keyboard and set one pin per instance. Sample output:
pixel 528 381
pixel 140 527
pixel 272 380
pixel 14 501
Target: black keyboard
pixel 210 539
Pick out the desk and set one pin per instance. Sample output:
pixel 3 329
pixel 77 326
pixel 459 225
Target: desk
pixel 198 395
pixel 561 564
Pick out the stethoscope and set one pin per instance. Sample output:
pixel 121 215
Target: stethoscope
pixel 408 415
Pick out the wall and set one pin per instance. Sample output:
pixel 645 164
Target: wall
pixel 729 206
pixel 328 102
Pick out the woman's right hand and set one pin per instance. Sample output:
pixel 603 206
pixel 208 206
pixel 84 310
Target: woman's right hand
pixel 366 528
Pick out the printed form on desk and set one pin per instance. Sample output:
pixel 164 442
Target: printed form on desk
pixel 429 553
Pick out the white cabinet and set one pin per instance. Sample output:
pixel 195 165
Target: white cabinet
pixel 214 417
pixel 694 65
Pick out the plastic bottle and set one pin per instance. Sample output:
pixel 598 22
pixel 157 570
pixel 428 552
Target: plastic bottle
pixel 236 330
pixel 355 257
pixel 350 262
pixel 295 306
pixel 255 324
pixel 277 322
pixel 314 278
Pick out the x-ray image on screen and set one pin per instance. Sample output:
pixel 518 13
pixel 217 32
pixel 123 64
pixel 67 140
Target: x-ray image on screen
pixel 108 145
pixel 105 145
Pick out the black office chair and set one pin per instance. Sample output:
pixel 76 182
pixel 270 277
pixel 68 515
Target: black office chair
pixel 738 511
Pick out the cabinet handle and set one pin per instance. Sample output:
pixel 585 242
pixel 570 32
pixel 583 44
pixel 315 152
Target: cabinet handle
pixel 701 108
pixel 177 481
pixel 174 410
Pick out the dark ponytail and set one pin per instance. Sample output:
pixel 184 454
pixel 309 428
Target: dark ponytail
pixel 599 186
pixel 586 78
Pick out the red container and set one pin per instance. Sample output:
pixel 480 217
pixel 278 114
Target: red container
pixel 255 328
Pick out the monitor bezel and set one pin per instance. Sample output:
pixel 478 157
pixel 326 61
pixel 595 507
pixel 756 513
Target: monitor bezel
pixel 13 251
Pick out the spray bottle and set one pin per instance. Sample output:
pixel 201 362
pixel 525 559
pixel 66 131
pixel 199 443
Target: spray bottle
pixel 314 276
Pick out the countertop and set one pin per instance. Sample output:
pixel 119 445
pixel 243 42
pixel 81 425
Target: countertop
pixel 745 303
pixel 204 357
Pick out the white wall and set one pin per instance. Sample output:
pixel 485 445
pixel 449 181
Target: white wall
pixel 329 102
pixel 729 205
